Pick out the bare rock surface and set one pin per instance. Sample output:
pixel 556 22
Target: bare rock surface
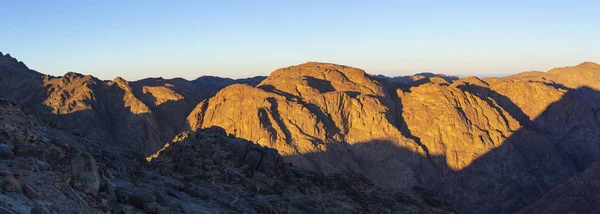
pixel 140 116
pixel 494 144
pixel 201 172
pixel 327 138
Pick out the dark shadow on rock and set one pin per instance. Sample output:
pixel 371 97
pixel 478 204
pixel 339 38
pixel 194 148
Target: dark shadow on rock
pixel 107 120
pixel 565 141
pixel 503 101
pixel 394 115
pixel 274 109
pixel 249 172
pixel 553 84
pixel 323 86
pixel 528 164
pixel 214 84
pixel 406 82
pixel 170 114
pixel 330 127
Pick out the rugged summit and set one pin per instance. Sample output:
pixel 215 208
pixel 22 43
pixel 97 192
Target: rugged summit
pixel 313 108
pixel 516 143
pixel 140 116
pixel 520 131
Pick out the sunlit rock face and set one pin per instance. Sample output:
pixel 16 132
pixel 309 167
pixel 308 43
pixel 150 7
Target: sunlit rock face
pixel 317 115
pixel 486 145
pixel 299 109
pixel 46 170
pixel 140 116
pixel 460 136
pixel 456 123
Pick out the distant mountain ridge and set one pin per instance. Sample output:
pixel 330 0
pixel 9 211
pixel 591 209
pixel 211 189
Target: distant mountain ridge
pixel 485 144
pixel 142 115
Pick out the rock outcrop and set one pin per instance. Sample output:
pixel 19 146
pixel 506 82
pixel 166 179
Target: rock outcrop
pixel 202 172
pixel 525 142
pixel 436 131
pixel 140 116
pixel 313 108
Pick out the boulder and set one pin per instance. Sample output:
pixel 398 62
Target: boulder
pixel 238 148
pixel 155 208
pixel 28 150
pixel 161 198
pixel 141 197
pixel 198 192
pixel 12 184
pixel 252 158
pixel 259 176
pixel 136 197
pixel 179 195
pixel 84 172
pixel 19 139
pixel 270 161
pixel 32 192
pixel 119 208
pixel 40 210
pixel 6 152
pixel 124 194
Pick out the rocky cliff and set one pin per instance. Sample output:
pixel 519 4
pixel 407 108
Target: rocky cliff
pixel 140 116
pixel 486 145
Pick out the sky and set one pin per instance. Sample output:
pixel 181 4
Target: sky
pixel 139 39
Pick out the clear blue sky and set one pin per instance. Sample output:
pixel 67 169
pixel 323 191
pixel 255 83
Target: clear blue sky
pixel 140 39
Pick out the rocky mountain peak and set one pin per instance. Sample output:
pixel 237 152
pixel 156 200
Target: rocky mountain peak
pixel 77 78
pixel 121 82
pixel 307 138
pixel 589 65
pixel 8 61
pixel 318 78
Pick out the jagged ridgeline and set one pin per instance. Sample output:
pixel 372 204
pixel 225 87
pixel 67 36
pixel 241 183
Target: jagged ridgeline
pixel 509 144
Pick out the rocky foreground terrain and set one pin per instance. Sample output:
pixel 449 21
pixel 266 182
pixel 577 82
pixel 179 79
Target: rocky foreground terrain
pixel 327 138
pixel 44 170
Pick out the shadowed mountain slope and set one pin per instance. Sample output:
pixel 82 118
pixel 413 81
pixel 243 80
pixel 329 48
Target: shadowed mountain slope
pixel 44 170
pixel 214 84
pixel 487 145
pixel 320 115
pixel 141 116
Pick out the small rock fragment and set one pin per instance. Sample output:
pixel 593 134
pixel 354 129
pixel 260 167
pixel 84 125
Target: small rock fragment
pixel 6 152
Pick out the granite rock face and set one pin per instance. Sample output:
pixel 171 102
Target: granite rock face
pixel 518 136
pixel 528 141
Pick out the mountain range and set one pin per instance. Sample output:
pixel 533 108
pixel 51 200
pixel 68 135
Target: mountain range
pixel 525 143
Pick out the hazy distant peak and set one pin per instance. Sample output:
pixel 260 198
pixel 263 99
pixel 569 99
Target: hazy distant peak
pixel 588 64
